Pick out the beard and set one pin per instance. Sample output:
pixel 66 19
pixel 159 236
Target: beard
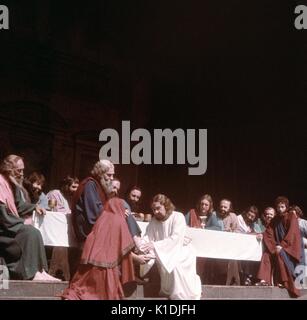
pixel 224 213
pixel 135 207
pixel 35 194
pixel 107 187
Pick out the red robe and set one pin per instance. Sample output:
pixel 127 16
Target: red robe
pixel 195 221
pixel 272 263
pixel 106 264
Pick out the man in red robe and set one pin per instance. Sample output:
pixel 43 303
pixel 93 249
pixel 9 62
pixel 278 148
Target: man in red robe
pixel 282 249
pixel 106 263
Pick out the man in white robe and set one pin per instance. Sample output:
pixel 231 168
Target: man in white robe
pixel 175 257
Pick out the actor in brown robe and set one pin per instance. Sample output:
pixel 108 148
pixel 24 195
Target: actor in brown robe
pixel 282 249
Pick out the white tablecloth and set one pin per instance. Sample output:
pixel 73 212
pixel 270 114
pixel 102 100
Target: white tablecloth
pixel 56 229
pixel 222 245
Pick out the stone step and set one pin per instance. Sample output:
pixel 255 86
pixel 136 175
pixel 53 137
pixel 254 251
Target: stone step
pixel 16 288
pixel 42 290
pixel 29 298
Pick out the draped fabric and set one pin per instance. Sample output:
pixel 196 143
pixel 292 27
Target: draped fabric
pixel 283 231
pixel 7 196
pixel 87 205
pixel 195 221
pixel 176 261
pixel 106 263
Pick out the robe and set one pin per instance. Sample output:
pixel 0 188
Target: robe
pixel 88 205
pixel 176 261
pixel 21 245
pixel 284 231
pixel 106 264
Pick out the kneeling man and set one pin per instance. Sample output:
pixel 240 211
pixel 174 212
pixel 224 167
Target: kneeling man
pixel 175 257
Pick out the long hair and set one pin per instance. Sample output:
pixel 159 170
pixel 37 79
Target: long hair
pixel 297 210
pixel 253 209
pixel 165 201
pixel 209 199
pixel 282 199
pixel 67 182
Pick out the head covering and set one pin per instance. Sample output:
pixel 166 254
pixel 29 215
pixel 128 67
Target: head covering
pixel 7 196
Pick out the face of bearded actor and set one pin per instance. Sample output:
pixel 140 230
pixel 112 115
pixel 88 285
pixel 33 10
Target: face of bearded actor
pixel 281 208
pixel 159 211
pixel 224 208
pixel 73 188
pixel 106 180
pixel 115 188
pixel 18 171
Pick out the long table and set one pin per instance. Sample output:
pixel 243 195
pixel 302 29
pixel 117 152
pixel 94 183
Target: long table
pixel 222 245
pixel 56 230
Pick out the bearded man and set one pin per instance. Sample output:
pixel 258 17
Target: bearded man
pixel 90 198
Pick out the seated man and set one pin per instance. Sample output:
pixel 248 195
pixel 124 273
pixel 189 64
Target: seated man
pixel 282 244
pixel 64 260
pixel 175 258
pixel 34 185
pixel 28 263
pixel 204 216
pixel 62 197
pixel 226 272
pixel 133 198
pixel 261 224
pixel 246 224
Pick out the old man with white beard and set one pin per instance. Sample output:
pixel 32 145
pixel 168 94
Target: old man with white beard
pixel 175 258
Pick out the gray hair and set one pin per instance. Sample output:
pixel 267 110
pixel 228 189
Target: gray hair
pixel 8 164
pixel 101 167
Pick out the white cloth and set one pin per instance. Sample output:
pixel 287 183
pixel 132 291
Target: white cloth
pixel 176 262
pixel 55 228
pixel 243 227
pixel 221 245
pixel 225 245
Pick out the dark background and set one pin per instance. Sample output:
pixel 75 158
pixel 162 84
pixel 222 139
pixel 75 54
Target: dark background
pixel 69 70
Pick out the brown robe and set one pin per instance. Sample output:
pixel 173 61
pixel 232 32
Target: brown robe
pixel 272 263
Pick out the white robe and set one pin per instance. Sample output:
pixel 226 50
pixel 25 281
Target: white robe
pixel 176 261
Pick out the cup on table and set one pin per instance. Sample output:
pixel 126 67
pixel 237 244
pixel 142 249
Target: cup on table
pixel 203 220
pixel 147 217
pixel 139 217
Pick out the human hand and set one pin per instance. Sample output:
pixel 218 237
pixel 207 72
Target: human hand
pixel 278 249
pixel 127 212
pixel 141 259
pixel 259 236
pixel 39 210
pixel 147 247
